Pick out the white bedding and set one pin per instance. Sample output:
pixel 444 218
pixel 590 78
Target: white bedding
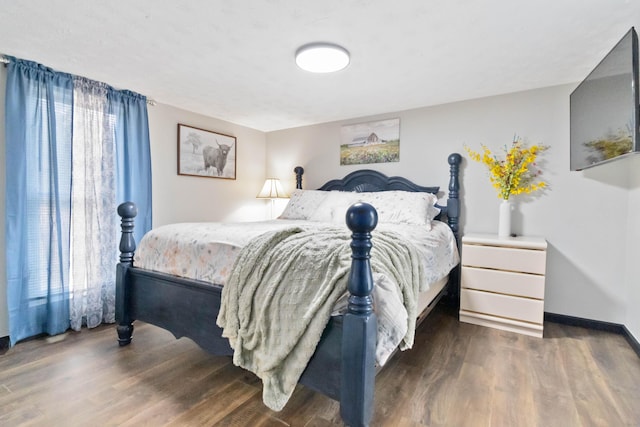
pixel 207 251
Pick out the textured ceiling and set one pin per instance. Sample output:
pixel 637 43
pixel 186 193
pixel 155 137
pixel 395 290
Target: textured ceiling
pixel 233 60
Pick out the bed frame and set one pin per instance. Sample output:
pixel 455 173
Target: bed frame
pixel 343 365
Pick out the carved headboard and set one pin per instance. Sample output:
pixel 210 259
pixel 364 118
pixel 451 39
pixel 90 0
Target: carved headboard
pixel 367 180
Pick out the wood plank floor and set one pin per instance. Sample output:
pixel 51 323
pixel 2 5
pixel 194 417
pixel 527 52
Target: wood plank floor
pixel 456 375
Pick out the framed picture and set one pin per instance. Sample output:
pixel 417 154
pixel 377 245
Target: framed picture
pixel 373 142
pixel 206 153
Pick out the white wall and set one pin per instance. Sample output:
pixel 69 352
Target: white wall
pixel 583 216
pixel 633 251
pixel 178 198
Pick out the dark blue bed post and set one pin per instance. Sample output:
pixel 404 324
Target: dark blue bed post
pixel 453 202
pixel 298 170
pixel 453 219
pixel 360 324
pixel 128 212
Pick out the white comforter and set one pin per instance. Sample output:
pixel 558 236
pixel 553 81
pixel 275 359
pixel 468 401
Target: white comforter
pixel 207 252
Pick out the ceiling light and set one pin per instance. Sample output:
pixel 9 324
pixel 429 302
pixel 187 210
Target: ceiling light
pixel 322 57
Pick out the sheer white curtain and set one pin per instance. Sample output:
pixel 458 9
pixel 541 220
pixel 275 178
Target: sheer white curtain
pixel 93 203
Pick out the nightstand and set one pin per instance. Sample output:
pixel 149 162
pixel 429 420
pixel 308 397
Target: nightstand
pixel 502 282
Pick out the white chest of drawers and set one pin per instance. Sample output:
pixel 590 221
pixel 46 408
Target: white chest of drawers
pixel 503 282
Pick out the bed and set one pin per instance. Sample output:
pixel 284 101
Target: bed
pixel 343 364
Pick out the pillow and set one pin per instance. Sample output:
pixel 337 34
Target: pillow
pixel 334 207
pixel 403 207
pixel 393 207
pixel 303 203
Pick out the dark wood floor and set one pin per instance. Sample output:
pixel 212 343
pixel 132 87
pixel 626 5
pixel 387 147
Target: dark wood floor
pixel 456 375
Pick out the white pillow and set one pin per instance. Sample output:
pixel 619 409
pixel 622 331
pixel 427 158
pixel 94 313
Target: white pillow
pixel 393 207
pixel 303 203
pixel 402 207
pixel 334 207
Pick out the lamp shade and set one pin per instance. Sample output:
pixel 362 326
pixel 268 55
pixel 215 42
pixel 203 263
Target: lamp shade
pixel 272 190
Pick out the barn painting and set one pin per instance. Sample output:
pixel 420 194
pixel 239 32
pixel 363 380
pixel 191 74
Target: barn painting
pixel 373 142
pixel 206 153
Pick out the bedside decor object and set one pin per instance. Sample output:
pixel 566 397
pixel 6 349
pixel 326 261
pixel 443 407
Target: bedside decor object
pixel 272 190
pixel 502 282
pixel 504 218
pixel 206 153
pixel 516 173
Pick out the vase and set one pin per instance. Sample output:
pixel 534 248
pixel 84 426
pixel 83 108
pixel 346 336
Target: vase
pixel 504 220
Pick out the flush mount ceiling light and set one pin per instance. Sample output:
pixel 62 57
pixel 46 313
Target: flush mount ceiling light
pixel 322 57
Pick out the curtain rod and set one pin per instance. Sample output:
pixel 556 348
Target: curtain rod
pixel 5 60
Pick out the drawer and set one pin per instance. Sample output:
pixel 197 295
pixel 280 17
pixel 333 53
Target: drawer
pixel 505 258
pixel 528 310
pixel 504 282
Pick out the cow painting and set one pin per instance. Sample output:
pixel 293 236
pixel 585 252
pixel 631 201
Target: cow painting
pixel 206 153
pixel 216 157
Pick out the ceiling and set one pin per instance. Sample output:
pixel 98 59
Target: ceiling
pixel 234 60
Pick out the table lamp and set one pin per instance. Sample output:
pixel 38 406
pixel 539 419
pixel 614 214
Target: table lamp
pixel 272 190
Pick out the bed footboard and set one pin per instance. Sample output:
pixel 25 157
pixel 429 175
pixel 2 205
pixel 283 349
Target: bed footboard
pixel 355 333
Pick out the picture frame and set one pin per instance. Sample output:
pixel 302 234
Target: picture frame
pixel 371 142
pixel 206 153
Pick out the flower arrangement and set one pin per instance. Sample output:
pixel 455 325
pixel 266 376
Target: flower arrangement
pixel 517 173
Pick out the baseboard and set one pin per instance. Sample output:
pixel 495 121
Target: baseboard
pixel 584 323
pixel 4 344
pixel 633 342
pixel 599 325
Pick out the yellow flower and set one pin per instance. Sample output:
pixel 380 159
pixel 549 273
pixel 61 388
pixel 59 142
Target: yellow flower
pixel 516 173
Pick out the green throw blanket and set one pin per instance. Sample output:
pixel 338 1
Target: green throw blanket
pixel 281 292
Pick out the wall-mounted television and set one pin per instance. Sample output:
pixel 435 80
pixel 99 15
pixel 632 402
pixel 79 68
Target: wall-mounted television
pixel 604 108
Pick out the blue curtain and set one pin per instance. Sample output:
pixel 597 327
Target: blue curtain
pixel 39 133
pixel 38 204
pixel 133 155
